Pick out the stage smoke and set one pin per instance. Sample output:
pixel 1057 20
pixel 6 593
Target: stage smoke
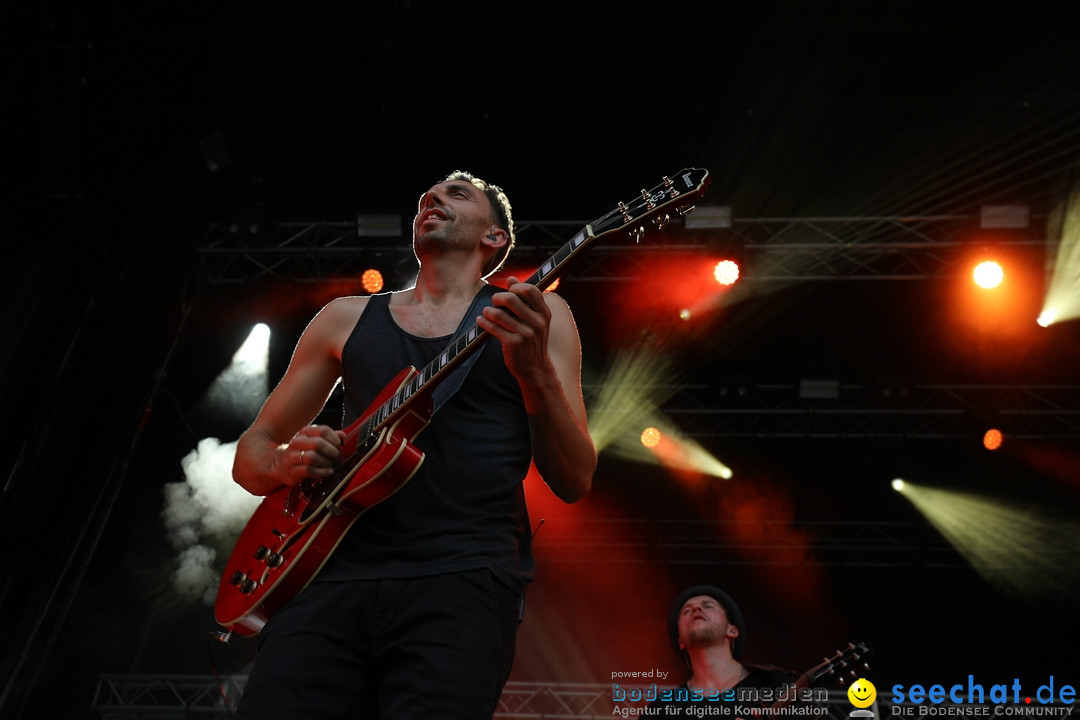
pixel 203 515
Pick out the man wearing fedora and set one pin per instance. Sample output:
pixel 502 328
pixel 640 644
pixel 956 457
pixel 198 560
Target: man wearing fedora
pixel 708 632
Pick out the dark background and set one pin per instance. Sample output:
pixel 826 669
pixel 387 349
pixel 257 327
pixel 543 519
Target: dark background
pixel 798 109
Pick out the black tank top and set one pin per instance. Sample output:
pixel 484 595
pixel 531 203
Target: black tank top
pixel 465 507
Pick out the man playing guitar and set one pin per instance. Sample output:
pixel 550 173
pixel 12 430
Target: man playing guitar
pixel 415 612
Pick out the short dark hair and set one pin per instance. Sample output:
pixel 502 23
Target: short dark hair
pixel 500 208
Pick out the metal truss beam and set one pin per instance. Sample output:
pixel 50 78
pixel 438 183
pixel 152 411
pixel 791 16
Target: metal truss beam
pixel 858 248
pixel 769 410
pixel 774 249
pixel 166 696
pixel 300 251
pixel 860 544
pixel 715 542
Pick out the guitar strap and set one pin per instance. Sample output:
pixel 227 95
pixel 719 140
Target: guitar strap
pixel 454 380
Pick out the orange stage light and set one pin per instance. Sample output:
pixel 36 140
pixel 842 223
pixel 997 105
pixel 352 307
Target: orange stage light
pixel 988 274
pixel 372 280
pixel 650 437
pixel 992 439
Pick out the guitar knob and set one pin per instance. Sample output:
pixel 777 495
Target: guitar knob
pixel 261 552
pixel 237 578
pixel 274 560
pixel 248 586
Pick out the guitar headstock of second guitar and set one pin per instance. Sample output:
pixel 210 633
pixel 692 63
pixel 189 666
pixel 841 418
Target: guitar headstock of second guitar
pixel 847 665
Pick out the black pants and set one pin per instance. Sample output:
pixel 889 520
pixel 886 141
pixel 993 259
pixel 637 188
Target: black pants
pixel 429 647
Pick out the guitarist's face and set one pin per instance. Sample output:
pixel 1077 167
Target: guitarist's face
pixel 453 213
pixel 703 621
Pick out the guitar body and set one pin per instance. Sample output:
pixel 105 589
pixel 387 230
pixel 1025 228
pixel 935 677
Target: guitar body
pixel 294 530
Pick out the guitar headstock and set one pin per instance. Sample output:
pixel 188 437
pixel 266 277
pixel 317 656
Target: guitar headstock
pixel 848 664
pixel 674 194
pixel 677 193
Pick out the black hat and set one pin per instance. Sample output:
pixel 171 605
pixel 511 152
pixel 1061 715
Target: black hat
pixel 734 616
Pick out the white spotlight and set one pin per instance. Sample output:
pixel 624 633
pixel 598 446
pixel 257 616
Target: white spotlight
pixel 255 351
pixel 242 387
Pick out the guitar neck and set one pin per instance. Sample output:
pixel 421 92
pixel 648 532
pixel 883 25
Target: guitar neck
pixel 680 193
pixel 471 341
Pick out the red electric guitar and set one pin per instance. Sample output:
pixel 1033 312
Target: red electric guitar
pixel 294 530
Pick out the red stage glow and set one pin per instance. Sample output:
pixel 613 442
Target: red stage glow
pixel 996 323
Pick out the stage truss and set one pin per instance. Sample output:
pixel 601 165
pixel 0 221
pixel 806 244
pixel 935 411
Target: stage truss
pixel 777 251
pixel 774 249
pixel 887 410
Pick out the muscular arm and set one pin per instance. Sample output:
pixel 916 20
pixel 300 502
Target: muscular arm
pixel 542 349
pixel 281 447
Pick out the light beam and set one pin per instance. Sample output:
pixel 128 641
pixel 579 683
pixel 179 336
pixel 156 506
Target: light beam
pixel 1022 550
pixel 1062 300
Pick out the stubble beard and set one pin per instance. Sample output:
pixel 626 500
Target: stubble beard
pixel 705 636
pixel 451 236
pixel 435 240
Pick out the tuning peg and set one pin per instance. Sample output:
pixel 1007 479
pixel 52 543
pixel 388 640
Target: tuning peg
pixel 686 209
pixel 662 221
pixel 638 233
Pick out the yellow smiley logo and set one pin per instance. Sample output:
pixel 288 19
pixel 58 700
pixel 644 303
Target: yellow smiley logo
pixel 862 693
